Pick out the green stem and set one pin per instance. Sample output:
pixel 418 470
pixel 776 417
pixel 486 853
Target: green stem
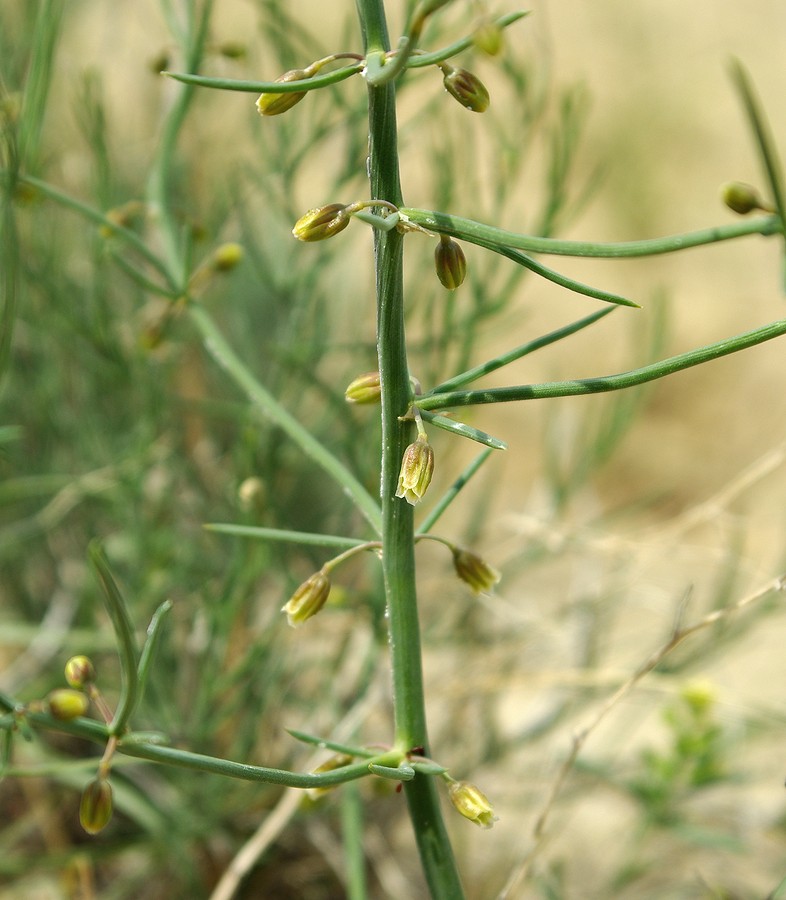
pixel 267 87
pixel 398 561
pixel 352 838
pixel 430 59
pixel 607 382
pixel 160 175
pixel 478 233
pixel 124 633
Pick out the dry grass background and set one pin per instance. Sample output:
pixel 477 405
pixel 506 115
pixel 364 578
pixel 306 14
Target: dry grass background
pixel 666 130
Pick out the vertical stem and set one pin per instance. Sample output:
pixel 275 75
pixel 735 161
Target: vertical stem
pixel 398 561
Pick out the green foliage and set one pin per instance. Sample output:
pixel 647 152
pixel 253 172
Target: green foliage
pixel 694 758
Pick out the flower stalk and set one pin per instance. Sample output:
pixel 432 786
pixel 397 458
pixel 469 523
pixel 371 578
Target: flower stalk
pixel 398 558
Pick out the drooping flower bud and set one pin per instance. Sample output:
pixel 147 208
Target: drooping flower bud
pixel 337 761
pixel 417 467
pixel 79 671
pixel 66 703
pixel 275 104
pixel 226 257
pixel 467 88
pixel 472 803
pixel 95 808
pixel 742 198
pixel 364 389
pixel 308 599
pixel 487 37
pixel 450 262
pixel 233 50
pixel 322 222
pixel 474 571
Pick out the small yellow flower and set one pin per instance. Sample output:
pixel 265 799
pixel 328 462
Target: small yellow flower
pixel 66 703
pixel 322 222
pixel 417 467
pixel 487 37
pixel 308 599
pixel 474 571
pixel 700 695
pixel 79 671
pixel 472 803
pixel 337 761
pixel 364 389
pixel 226 257
pixel 274 104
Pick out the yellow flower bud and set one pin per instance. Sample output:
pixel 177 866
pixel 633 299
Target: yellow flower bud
pixel 322 222
pixel 467 88
pixel 450 262
pixel 79 671
pixel 474 571
pixel 364 389
pixel 308 599
pixel 275 104
pixel 487 37
pixel 226 257
pixel 472 803
pixel 95 808
pixel 417 467
pixel 66 703
pixel 700 695
pixel 337 761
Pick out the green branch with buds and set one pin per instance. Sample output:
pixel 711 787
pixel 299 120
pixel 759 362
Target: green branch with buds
pixel 407 461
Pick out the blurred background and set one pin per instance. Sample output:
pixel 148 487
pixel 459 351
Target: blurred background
pixel 614 519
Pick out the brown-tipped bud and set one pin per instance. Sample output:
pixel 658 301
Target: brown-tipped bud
pixel 95 808
pixel 275 104
pixel 474 571
pixel 417 467
pixel 742 198
pixel 450 262
pixel 337 761
pixel 308 599
pixel 226 257
pixel 472 803
pixel 66 703
pixel 467 88
pixel 364 389
pixel 322 222
pixel 487 37
pixel 79 671
pixel 122 216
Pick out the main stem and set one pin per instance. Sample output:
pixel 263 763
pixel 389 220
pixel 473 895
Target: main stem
pixel 398 559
